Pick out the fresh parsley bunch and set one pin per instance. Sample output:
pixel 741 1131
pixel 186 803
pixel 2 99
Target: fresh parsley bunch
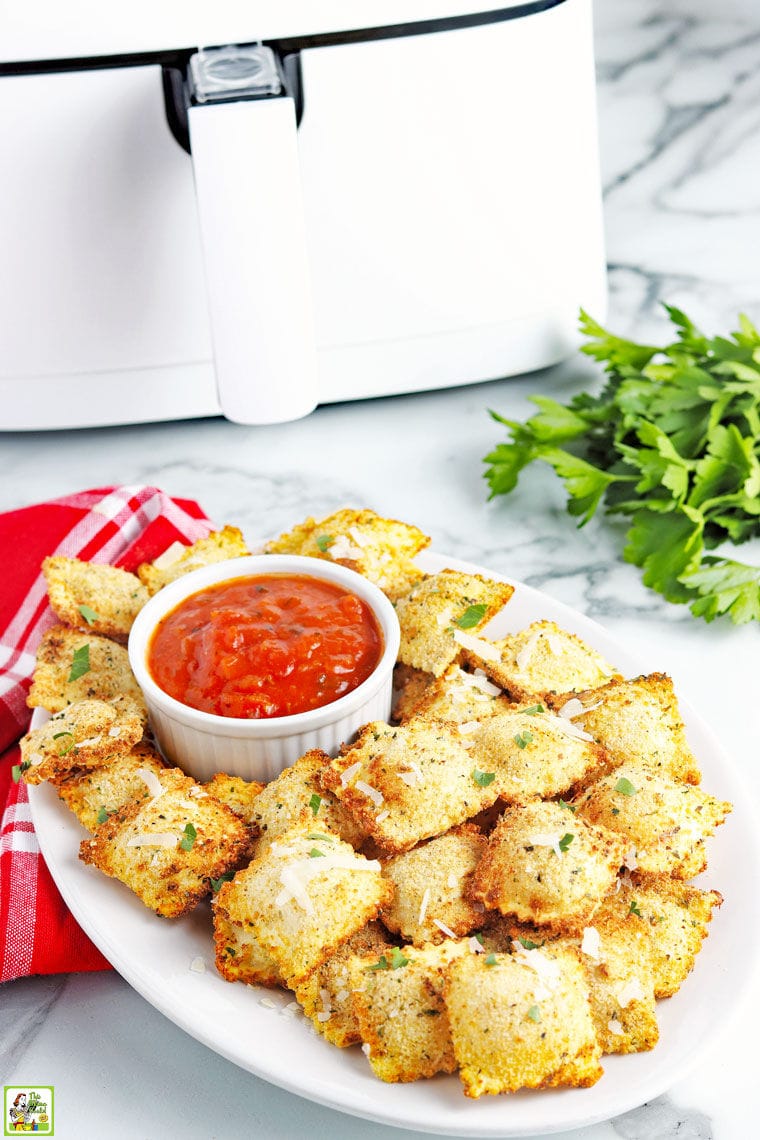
pixel 672 442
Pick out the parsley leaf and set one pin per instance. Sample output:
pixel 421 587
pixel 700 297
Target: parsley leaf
pixel 315 803
pixel 625 787
pixel 523 739
pixel 189 836
pixel 80 663
pixel 634 908
pixel 88 613
pixel 472 616
pixel 672 443
pixel 483 779
pixel 102 815
pixel 534 710
pixel 315 853
pixel 324 541
pixel 491 960
pixel 528 944
pixel 565 841
pixel 216 884
pixel 534 1013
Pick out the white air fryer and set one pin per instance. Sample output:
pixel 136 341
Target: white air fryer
pixel 249 208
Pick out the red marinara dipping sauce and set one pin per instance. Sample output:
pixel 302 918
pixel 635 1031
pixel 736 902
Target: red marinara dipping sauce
pixel 265 646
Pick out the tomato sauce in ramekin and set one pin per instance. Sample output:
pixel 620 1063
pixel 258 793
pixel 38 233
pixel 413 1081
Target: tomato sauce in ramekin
pixel 265 646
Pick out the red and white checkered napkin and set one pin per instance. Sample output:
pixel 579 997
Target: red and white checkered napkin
pixel 120 525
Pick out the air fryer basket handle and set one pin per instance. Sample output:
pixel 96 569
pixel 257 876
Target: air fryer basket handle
pixel 248 187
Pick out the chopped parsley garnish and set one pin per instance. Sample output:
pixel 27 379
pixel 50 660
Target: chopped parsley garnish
pixel 319 835
pixel 103 815
pixel 528 944
pixel 568 807
pixel 394 961
pixel 89 614
pixel 491 960
pixel 67 745
pixel 315 853
pixel 216 884
pixel 534 1013
pixel 18 770
pixel 323 541
pixel 80 663
pixel 534 710
pixel 483 779
pixel 625 787
pixel 523 739
pixel 565 841
pixel 634 908
pixel 315 803
pixel 478 938
pixel 189 836
pixel 472 616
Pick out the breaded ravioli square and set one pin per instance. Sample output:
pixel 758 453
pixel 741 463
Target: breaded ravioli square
pixel 398 1003
pixel 88 595
pixel 179 559
pixel 637 722
pixel 616 953
pixel 458 696
pixel 408 783
pixel 378 548
pixel 408 687
pixel 541 659
pixel 429 901
pixel 663 822
pixel 326 996
pixel 95 794
pixel 534 753
pixel 304 895
pixel 238 794
pixel 239 956
pixel 676 917
pixel 521 1020
pixel 72 666
pixel 167 850
pixel 547 866
pixel 443 613
pixel 297 797
pixel 84 735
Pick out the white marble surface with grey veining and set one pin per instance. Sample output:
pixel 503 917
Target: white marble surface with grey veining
pixel 679 106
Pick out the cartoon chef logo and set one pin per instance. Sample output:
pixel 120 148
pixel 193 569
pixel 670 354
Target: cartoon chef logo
pixel 28 1110
pixel 19 1113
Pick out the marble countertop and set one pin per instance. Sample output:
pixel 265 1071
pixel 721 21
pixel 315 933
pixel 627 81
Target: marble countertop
pixel 679 102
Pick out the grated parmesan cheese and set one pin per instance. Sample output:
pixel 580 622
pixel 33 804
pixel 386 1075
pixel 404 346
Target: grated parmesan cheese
pixel 198 965
pixel 547 840
pixel 153 839
pixel 359 537
pixel 424 906
pixel 341 547
pixel 370 792
pixel 478 680
pixel 485 649
pixel 347 776
pixel 630 861
pixel 444 928
pixel 297 875
pixel 591 944
pixel 547 969
pixel 151 781
pixel 523 658
pixel 268 1003
pixel 631 991
pixel 171 555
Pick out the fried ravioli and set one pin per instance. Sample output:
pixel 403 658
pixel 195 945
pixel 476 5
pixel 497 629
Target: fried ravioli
pixel 443 613
pixel 380 549
pixel 73 666
pixel 169 849
pixel 178 559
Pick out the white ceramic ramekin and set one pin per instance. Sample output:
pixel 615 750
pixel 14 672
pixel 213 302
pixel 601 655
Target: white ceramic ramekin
pixel 202 743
